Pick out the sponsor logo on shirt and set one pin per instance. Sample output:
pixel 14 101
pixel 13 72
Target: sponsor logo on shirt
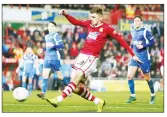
pixel 93 35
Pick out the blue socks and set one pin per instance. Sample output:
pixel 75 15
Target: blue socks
pixel 30 88
pixel 131 86
pixel 24 85
pixel 44 85
pixel 65 81
pixel 151 86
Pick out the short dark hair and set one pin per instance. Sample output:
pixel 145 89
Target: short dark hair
pixel 138 16
pixel 54 23
pixel 97 10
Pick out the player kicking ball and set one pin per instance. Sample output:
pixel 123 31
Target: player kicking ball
pixel 98 33
pixel 141 40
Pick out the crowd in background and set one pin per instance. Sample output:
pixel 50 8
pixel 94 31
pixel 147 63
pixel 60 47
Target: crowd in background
pixel 107 7
pixel 113 60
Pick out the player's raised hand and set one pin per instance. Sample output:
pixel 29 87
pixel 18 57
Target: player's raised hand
pixel 62 12
pixel 137 59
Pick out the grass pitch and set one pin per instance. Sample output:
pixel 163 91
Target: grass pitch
pixel 115 103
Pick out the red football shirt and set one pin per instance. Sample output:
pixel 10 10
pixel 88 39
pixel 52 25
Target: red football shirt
pixel 97 36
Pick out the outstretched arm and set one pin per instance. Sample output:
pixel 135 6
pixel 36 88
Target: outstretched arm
pixel 111 32
pixel 59 41
pixel 72 19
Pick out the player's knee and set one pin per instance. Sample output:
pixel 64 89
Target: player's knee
pixel 147 77
pixel 77 76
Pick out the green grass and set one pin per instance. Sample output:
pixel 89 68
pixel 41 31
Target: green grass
pixel 115 102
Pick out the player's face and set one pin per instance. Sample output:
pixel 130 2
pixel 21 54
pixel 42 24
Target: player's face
pixel 51 27
pixel 95 18
pixel 137 22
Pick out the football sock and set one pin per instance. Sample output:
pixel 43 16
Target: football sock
pixel 83 92
pixel 65 82
pixel 24 85
pixel 44 85
pixel 69 89
pixel 30 88
pixel 131 86
pixel 151 86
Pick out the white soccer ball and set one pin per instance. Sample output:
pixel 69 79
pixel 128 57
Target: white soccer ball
pixel 20 94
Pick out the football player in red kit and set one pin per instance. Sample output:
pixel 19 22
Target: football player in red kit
pixel 98 33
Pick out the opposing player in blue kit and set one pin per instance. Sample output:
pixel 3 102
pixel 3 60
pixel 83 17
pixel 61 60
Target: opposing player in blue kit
pixel 19 69
pixel 142 39
pixel 30 62
pixel 52 57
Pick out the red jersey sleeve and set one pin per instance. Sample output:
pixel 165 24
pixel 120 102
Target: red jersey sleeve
pixel 75 21
pixel 111 32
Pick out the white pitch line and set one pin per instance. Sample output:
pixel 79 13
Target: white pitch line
pixel 44 105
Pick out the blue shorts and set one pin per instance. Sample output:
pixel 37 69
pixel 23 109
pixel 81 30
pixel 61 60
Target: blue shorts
pixel 145 66
pixel 28 74
pixel 52 64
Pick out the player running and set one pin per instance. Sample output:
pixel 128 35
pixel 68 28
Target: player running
pixel 52 57
pixel 141 40
pixel 98 33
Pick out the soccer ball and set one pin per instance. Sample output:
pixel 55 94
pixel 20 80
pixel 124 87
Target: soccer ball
pixel 20 94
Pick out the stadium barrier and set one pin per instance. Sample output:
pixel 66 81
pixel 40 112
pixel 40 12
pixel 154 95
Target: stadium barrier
pixel 122 85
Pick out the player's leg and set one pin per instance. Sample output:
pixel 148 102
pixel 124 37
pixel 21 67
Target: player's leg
pixel 40 82
pixel 24 81
pixel 30 79
pixel 75 79
pixel 62 81
pixel 56 66
pixel 83 91
pixel 131 72
pixel 145 68
pixel 21 80
pixel 151 86
pixel 30 87
pixel 76 75
pixel 45 75
pixel 79 71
